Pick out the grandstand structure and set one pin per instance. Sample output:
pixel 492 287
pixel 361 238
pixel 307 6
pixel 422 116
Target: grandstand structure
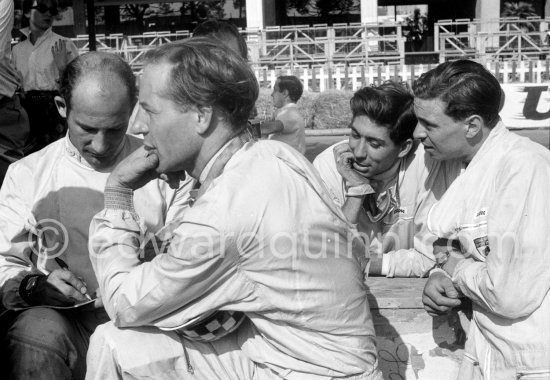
pixel 363 52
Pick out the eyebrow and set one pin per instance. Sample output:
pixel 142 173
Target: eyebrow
pixel 381 141
pixel 83 125
pixel 86 126
pixel 425 121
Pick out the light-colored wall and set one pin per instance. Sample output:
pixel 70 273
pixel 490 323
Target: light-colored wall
pixel 369 11
pixel 488 10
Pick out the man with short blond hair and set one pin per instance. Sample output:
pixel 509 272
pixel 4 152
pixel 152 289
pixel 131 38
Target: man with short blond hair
pixel 263 246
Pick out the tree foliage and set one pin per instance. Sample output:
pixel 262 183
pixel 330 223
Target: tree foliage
pixel 202 10
pixel 323 8
pixel 521 9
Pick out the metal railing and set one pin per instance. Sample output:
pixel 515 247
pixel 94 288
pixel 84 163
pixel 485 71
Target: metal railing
pixel 489 40
pixel 302 46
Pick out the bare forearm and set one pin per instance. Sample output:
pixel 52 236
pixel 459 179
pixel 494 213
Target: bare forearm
pixel 352 208
pixel 272 126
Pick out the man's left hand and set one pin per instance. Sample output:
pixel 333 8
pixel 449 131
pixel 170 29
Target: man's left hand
pixel 135 170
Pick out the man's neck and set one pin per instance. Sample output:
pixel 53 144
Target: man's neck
pixel 287 102
pixel 36 33
pixel 382 180
pixel 476 145
pixel 209 148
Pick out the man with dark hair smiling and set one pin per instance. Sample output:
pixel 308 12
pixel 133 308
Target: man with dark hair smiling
pixel 384 182
pixel 46 204
pixel 263 239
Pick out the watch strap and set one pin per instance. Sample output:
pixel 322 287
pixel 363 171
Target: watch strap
pixel 25 293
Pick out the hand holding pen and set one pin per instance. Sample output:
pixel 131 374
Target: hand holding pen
pixel 64 265
pixel 60 288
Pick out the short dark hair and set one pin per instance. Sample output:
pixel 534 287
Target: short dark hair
pixel 222 31
pixel 205 73
pixel 292 84
pixel 465 86
pixel 27 4
pixel 93 62
pixel 390 105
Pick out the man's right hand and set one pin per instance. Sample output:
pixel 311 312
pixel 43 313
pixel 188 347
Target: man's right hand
pixel 135 170
pixel 344 164
pixel 60 288
pixel 440 295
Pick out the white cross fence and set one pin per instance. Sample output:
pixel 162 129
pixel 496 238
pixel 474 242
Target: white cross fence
pixel 354 77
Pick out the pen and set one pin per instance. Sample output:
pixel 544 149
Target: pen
pixel 64 265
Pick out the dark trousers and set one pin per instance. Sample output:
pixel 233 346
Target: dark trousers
pixel 43 343
pixel 46 124
pixel 14 132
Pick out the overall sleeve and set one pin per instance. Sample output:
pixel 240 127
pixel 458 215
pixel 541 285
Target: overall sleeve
pixel 196 264
pixel 515 277
pixel 16 237
pixel 326 167
pixel 426 181
pixel 406 263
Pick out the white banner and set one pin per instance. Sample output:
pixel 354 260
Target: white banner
pixel 526 106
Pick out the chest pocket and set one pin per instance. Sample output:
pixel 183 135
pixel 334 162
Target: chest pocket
pixel 474 235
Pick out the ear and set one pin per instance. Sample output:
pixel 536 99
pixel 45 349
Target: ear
pixel 61 106
pixel 203 118
pixel 285 94
pixel 406 147
pixel 474 125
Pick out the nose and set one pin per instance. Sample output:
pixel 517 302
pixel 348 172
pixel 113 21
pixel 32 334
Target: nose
pixel 419 132
pixel 360 151
pixel 100 144
pixel 138 122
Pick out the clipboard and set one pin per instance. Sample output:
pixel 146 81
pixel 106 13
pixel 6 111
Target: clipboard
pixel 69 307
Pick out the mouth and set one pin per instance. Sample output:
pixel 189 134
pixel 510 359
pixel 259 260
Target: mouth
pixel 361 168
pixel 149 149
pixel 426 146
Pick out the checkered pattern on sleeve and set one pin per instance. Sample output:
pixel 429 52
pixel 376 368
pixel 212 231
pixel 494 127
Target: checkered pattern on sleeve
pixel 213 327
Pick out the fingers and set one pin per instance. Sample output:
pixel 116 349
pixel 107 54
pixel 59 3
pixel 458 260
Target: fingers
pixel 68 284
pixel 346 159
pixel 59 47
pixel 151 160
pixel 173 179
pixel 343 156
pixel 450 290
pixel 339 149
pixel 98 300
pixel 135 170
pixel 439 295
pixel 433 308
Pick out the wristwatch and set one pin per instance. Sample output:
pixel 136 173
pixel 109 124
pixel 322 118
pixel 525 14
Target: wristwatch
pixel 441 259
pixel 28 287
